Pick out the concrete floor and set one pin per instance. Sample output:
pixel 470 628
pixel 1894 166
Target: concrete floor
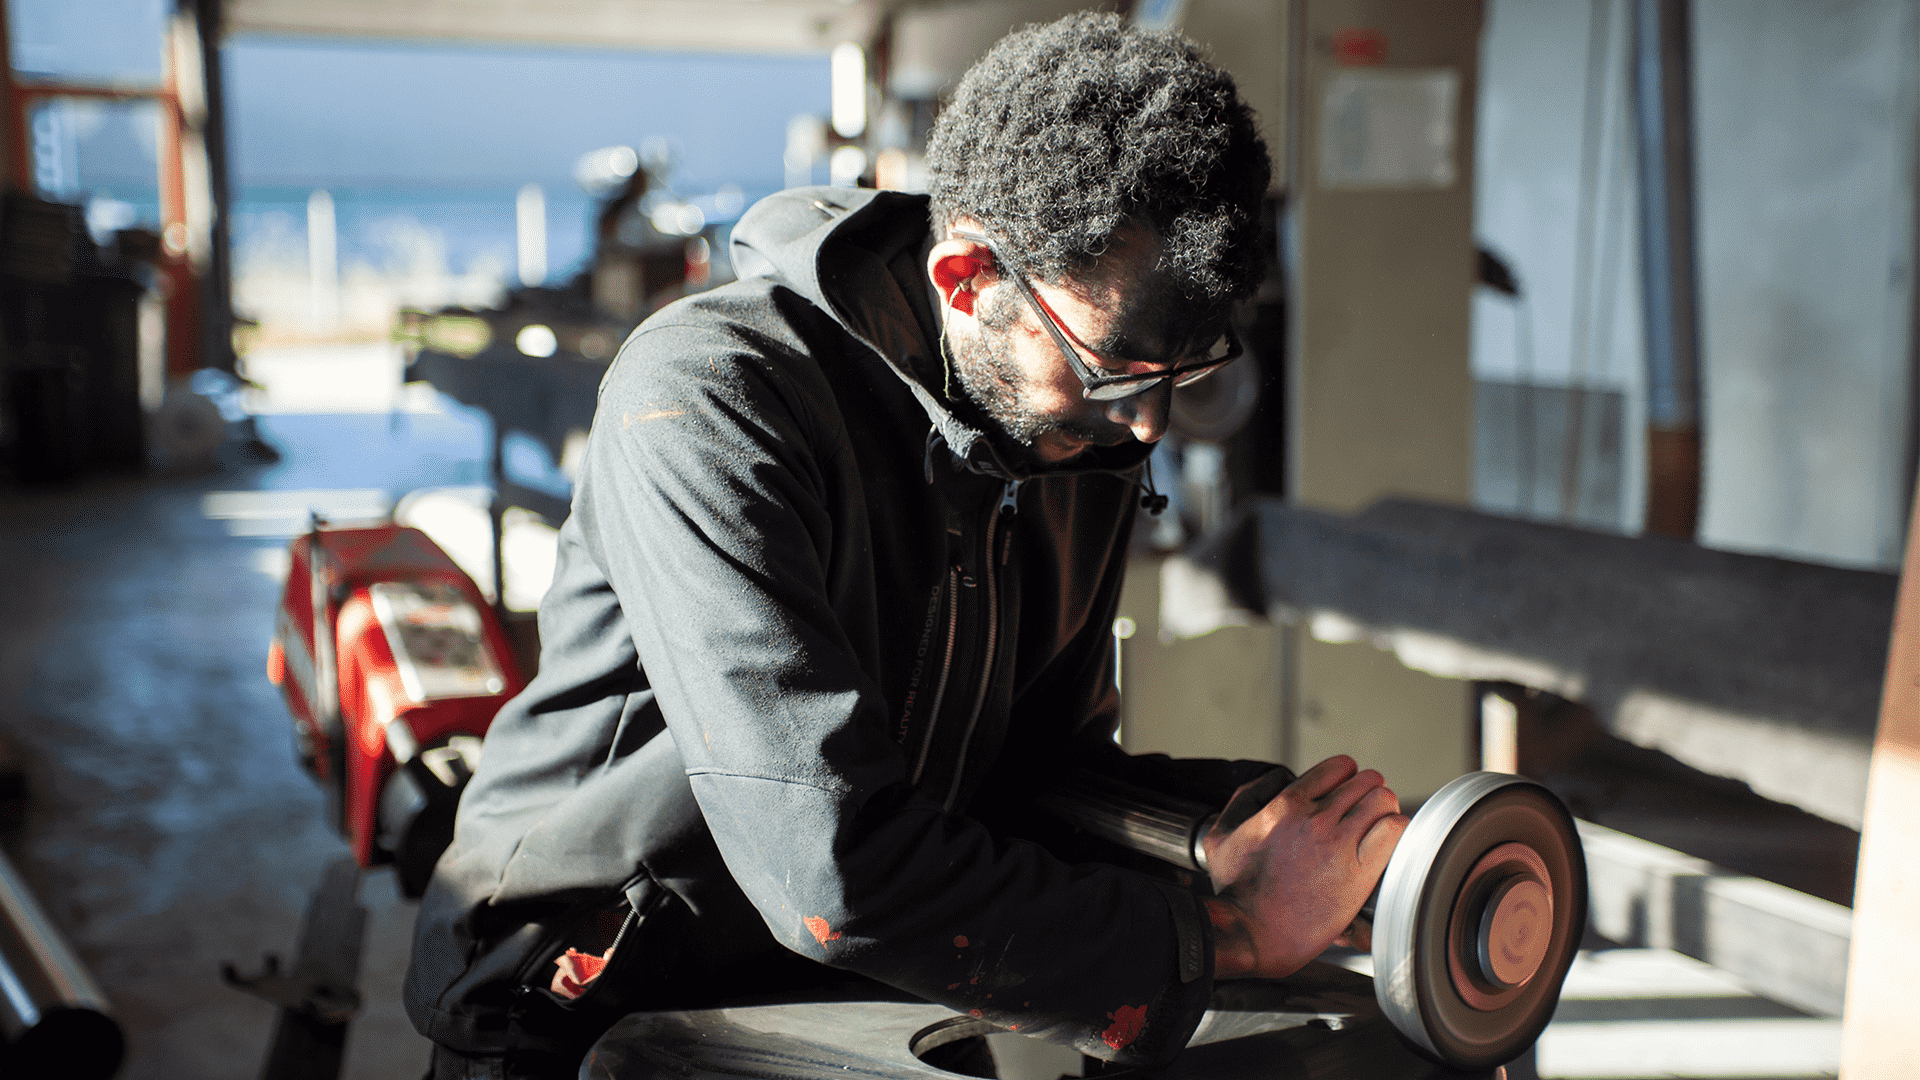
pixel 166 827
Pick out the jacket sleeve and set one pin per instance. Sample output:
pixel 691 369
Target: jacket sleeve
pixel 705 496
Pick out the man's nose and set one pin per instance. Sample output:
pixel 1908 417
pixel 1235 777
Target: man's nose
pixel 1144 414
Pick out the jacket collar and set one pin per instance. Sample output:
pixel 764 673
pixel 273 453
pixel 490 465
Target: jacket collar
pixel 858 255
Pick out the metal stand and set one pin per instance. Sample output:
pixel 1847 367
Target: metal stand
pixel 318 998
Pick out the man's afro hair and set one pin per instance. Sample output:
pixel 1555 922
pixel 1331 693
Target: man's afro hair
pixel 1065 132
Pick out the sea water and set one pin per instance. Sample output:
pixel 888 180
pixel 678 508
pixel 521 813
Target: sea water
pixel 394 246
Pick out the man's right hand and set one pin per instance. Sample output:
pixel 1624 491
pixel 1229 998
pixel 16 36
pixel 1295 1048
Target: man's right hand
pixel 1291 877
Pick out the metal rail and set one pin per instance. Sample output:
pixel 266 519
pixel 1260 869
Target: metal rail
pixel 55 1018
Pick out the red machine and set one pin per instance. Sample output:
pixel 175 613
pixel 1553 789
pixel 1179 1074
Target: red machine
pixel 391 688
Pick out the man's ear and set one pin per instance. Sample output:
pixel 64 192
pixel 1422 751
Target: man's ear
pixel 959 269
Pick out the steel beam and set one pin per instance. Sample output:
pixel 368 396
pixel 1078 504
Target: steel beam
pixel 1670 293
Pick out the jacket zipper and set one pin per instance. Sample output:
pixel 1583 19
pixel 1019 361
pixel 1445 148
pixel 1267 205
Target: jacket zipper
pixel 1007 507
pixel 946 668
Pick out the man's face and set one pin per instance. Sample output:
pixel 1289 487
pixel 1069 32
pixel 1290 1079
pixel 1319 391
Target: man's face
pixel 1012 369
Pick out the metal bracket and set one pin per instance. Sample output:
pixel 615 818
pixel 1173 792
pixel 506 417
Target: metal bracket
pixel 320 986
pixel 296 992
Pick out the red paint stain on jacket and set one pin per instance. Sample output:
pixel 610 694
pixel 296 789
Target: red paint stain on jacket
pixel 821 932
pixel 577 969
pixel 1128 1022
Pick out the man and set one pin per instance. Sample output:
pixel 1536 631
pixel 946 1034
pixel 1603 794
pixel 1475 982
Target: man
pixel 836 597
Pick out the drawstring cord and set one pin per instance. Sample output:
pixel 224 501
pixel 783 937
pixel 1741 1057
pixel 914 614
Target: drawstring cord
pixel 1151 501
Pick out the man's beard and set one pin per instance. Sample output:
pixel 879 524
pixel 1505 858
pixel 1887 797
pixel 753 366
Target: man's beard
pixel 999 392
pixel 994 384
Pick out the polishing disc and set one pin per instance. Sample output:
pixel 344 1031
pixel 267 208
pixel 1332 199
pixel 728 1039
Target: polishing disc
pixel 1481 911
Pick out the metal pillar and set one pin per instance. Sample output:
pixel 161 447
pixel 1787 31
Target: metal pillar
pixel 1663 126
pixel 216 281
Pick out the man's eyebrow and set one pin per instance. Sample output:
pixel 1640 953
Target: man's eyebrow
pixel 1114 344
pixel 1117 345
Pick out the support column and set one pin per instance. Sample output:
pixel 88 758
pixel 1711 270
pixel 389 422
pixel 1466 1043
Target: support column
pixel 216 278
pixel 1381 274
pixel 16 164
pixel 1670 304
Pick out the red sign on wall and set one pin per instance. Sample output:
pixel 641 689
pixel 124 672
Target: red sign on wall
pixel 1359 47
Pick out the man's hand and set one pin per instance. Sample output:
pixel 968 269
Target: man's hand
pixel 1291 877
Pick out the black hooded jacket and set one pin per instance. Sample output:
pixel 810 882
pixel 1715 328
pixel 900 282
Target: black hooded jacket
pixel 809 645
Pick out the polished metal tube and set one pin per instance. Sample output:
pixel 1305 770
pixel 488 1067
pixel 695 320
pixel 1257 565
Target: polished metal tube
pixel 1160 826
pixel 53 1014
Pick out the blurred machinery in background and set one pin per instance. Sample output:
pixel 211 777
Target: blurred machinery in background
pixel 533 364
pixel 650 246
pixel 392 664
pixel 103 337
pixel 70 316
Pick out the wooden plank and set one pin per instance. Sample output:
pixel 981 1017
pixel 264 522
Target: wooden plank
pixel 1761 669
pixel 1784 944
pixel 1880 1037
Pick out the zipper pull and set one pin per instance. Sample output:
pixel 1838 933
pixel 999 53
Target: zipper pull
pixel 1009 506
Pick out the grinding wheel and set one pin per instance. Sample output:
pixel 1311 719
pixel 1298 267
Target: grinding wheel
pixel 1474 924
pixel 1479 915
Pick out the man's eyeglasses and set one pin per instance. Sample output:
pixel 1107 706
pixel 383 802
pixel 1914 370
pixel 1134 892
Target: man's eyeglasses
pixel 1102 384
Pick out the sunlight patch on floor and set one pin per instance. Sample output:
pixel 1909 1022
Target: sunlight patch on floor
pixel 1629 1049
pixel 290 513
pixel 344 378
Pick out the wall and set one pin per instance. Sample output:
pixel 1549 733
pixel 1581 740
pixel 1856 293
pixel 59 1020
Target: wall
pixel 933 46
pixel 1806 173
pixel 1805 122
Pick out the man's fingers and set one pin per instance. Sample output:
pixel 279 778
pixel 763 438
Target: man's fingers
pixel 1384 835
pixel 1376 804
pixel 1316 782
pixel 1251 798
pixel 1357 936
pixel 1341 800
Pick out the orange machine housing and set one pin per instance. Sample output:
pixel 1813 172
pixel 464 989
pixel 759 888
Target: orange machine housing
pixel 421 664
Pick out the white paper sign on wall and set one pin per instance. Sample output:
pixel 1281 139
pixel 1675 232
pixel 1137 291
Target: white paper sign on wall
pixel 1386 129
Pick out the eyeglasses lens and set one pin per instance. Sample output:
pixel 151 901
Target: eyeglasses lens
pixel 1192 377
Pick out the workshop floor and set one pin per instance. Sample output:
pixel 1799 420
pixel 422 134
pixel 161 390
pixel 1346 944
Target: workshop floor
pixel 167 828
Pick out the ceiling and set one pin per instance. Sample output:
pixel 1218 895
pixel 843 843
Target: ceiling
pixel 751 26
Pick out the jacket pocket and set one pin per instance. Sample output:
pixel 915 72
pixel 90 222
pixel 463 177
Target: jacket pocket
pixel 603 939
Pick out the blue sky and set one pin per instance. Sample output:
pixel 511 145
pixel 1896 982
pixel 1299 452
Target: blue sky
pixel 318 112
pixel 305 112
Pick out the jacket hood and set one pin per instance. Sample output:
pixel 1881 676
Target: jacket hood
pixel 857 255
